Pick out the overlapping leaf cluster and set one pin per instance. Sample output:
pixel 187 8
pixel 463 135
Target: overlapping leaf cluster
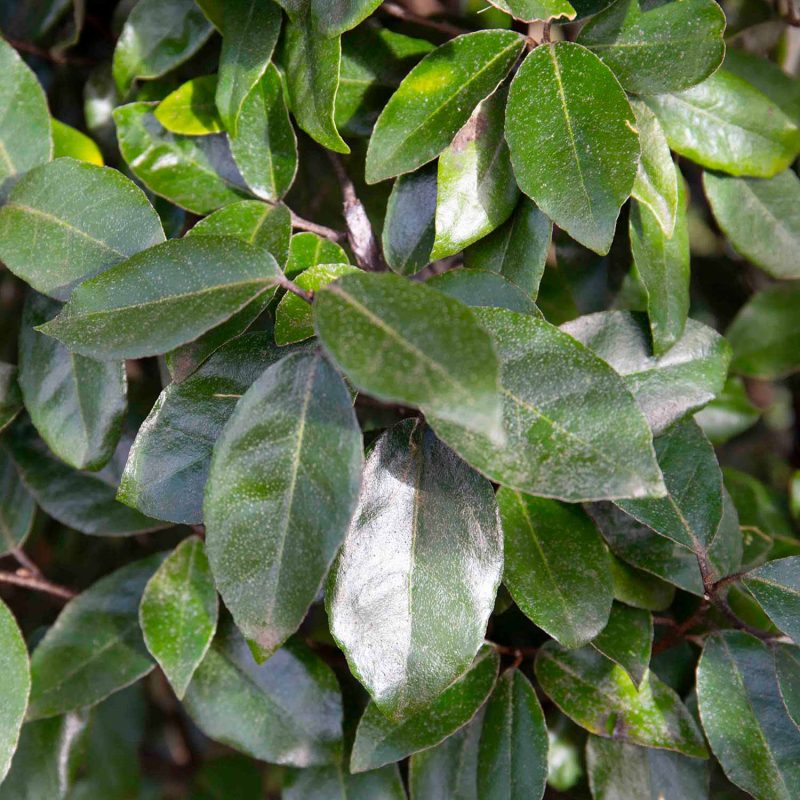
pixel 455 482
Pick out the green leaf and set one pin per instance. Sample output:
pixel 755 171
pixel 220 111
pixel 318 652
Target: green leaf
pixel 476 189
pixel 380 740
pixel 70 142
pixel 726 123
pixel 512 760
pixel 656 184
pixel 308 250
pixel 336 783
pixel 53 239
pixel 621 771
pixel 480 289
pixel 194 172
pixel 265 146
pixel 409 229
pixel 167 468
pixel 553 447
pixel 401 341
pixel 744 717
pixel 311 61
pixel 277 512
pixel 250 33
pixel 25 134
pixel 16 686
pixel 729 414
pixel 293 317
pixel 17 507
pixel 95 647
pixel 658 47
pixel 533 10
pixel 761 218
pixel 765 334
pixel 517 250
pixel 334 18
pixel 77 404
pixel 668 387
pixel 163 297
pixel 246 705
pixel 599 696
pixel 638 589
pixel 627 640
pixel 787 665
pixel 190 109
pixel 776 586
pixel 158 36
pixel 573 143
pixel 10 395
pixel 436 99
pixel 425 535
pixel 178 612
pixel 556 566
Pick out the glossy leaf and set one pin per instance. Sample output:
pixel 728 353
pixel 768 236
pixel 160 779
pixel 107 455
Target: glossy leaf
pixel 512 760
pixel 453 80
pixel 76 403
pixel 787 665
pixel 729 414
pixel 380 740
pixel 655 48
pixel 131 311
pixel 70 142
pixel 480 289
pixel 17 506
pixel 10 395
pixel 627 640
pixel 476 189
pixel 158 36
pixel 277 512
pixel 745 719
pixel 533 10
pixel 16 686
pixel 336 783
pixel 53 239
pixel 776 586
pixel 190 109
pixel 573 143
pixel 307 250
pixel 638 589
pixel 599 696
pixel 95 647
pixel 761 218
pixel 404 342
pixel 178 612
pixel 766 76
pixel 668 387
pixel 336 17
pixel 425 536
pixel 245 705
pixel 553 448
pixel 726 123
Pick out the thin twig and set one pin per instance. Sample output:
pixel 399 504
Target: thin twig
pixel 47 55
pixel 516 652
pixel 292 287
pixel 397 11
pixel 23 560
pixel 26 581
pixel 679 631
pixel 324 231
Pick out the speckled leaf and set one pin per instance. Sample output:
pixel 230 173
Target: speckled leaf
pixel 658 47
pixel 265 147
pixel 178 612
pixel 10 395
pixel 761 218
pixel 282 488
pixel 380 740
pixel 334 17
pixel 599 696
pixel 69 220
pixel 627 640
pixel 17 507
pixel 533 10
pixel 639 589
pixel 744 717
pixel 776 586
pixel 787 665
pixel 766 76
pixel 77 404
pixel 246 705
pixel 476 189
pixel 163 297
pixel 16 686
pixel 765 334
pixel 72 143
pixel 481 289
pixel 158 36
pixel 250 33
pixel 425 536
pixel 512 758
pixel 401 341
pixel 307 249
pixel 336 783
pixel 95 647
pixel 190 109
pixel 726 123
pixel 556 566
pixel 554 447
pixel 452 80
pixel 621 771
pixel 729 414
pixel 573 142
pixel 669 387
pixel 194 172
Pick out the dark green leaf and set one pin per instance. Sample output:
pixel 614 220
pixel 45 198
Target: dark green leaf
pixel 16 686
pixel 336 783
pixel 766 76
pixel 627 640
pixel 17 507
pixel 334 17
pixel 744 717
pixel 308 249
pixel 10 395
pixel 638 589
pixel 573 143
pixel 282 488
pixel 787 665
pixel 163 297
pixel 436 99
pixel 481 289
pixel 598 695
pixel 729 414
pixel 69 220
pixel 776 586
pixel 425 536
pixel 533 10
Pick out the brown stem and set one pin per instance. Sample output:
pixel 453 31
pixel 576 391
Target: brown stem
pixel 53 57
pixel 325 232
pixel 292 287
pixel 679 631
pixel 517 652
pixel 24 561
pixel 26 581
pixel 397 11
